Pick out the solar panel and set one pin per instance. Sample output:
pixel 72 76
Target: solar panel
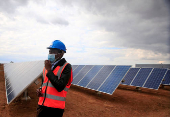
pixel 18 76
pixel 90 75
pixel 141 77
pixel 77 69
pixel 100 77
pixel 81 74
pixel 74 67
pixel 155 79
pixel 114 79
pixel 130 76
pixel 12 68
pixel 166 80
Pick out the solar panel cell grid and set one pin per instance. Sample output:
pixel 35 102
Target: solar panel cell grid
pixel 75 72
pixel 141 77
pixel 114 79
pixel 130 76
pixel 81 74
pixel 155 79
pixel 9 89
pixel 90 75
pixel 16 91
pixel 11 96
pixel 74 67
pixel 166 78
pixel 100 77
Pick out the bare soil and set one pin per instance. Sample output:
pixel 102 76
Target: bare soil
pixel 126 101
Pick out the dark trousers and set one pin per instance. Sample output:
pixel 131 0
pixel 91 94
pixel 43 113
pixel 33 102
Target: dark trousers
pixel 43 111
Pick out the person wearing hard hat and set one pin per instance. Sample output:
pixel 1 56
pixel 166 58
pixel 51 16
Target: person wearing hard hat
pixel 57 78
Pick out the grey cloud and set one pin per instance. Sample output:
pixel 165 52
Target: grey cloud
pixel 9 6
pixel 47 20
pixel 150 9
pixel 159 57
pixel 146 8
pixel 134 35
pixel 41 20
pixel 36 16
pixel 60 21
pixel 97 7
pixel 55 21
pixel 138 24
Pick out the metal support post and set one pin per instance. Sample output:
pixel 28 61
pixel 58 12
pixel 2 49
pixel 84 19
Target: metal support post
pixel 25 95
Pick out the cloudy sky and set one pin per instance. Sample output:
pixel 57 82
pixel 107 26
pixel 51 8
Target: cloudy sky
pixel 95 32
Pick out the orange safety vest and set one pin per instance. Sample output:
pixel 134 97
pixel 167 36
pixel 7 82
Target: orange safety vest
pixel 53 98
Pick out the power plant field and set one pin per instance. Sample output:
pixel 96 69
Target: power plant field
pixel 126 101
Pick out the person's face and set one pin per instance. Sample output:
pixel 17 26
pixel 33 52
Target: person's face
pixel 55 51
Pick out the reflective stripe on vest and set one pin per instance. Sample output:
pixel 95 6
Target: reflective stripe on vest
pixel 60 70
pixel 55 97
pixel 50 85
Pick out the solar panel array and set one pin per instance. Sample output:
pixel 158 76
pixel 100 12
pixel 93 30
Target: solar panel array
pixel 147 77
pixel 102 78
pixel 18 76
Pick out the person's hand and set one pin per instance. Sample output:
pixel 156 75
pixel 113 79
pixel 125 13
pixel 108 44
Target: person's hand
pixel 47 65
pixel 39 92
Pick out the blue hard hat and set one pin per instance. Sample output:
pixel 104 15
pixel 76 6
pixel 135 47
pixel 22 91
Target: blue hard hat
pixel 57 44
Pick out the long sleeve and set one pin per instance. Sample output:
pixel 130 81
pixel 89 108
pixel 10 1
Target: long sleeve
pixel 61 83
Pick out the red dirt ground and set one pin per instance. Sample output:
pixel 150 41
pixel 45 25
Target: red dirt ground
pixel 81 102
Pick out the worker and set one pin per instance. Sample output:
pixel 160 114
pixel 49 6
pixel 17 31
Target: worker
pixel 57 78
